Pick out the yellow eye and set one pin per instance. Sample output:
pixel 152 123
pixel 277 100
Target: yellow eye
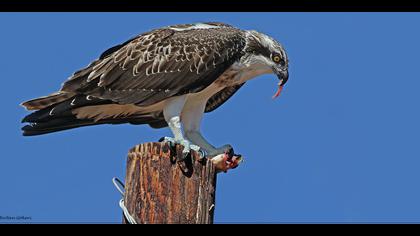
pixel 276 59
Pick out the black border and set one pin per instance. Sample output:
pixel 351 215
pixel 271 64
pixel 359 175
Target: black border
pixel 208 6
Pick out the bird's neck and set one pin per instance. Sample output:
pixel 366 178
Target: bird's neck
pixel 252 71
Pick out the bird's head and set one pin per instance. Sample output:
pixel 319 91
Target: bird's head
pixel 268 55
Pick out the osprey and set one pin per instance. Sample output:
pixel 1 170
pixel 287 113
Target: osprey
pixel 166 77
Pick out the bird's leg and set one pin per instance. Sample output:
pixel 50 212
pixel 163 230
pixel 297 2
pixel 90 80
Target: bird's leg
pixel 192 115
pixel 172 113
pixel 223 158
pixel 197 138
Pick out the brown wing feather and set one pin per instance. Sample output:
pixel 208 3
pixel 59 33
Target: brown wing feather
pixel 221 97
pixel 43 102
pixel 159 64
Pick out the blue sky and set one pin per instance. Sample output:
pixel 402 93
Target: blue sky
pixel 341 144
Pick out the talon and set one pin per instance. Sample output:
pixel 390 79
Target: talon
pixel 169 140
pixel 188 146
pixel 199 150
pixel 202 153
pixel 229 152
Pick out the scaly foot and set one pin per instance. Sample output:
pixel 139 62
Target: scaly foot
pixel 188 146
pixel 221 150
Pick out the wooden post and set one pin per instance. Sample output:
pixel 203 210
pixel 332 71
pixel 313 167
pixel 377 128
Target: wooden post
pixel 160 189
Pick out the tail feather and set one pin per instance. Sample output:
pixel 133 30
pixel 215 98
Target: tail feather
pixel 43 102
pixel 63 108
pixel 60 124
pixel 55 125
pixel 44 115
pixel 57 114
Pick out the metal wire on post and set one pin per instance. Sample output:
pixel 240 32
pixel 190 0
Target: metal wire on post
pixel 118 184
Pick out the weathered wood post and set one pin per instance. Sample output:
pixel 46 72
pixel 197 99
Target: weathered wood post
pixel 160 189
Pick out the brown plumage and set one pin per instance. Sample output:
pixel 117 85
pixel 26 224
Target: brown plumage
pixel 143 71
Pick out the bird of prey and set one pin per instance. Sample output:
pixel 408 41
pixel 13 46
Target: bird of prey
pixel 169 76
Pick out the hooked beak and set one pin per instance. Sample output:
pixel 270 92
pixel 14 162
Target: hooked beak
pixel 283 76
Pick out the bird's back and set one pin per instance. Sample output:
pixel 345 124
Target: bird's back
pixel 142 71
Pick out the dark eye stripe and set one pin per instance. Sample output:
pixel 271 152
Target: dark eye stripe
pixel 263 51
